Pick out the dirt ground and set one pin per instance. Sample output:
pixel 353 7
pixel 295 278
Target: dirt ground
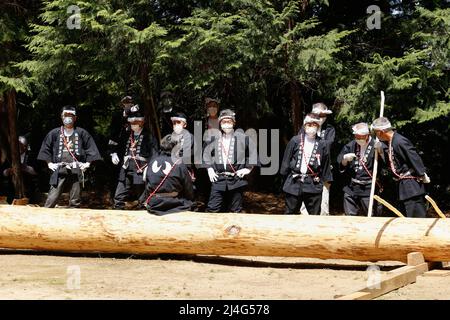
pixel 35 275
pixel 32 275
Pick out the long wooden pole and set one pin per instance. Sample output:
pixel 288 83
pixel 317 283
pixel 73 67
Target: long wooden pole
pixel 375 165
pixel 138 232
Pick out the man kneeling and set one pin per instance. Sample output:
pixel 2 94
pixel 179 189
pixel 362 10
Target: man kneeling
pixel 169 184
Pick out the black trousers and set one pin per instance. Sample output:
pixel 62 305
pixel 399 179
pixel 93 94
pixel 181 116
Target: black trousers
pixel 225 201
pixel 312 203
pixel 127 191
pixel 64 181
pixel 359 205
pixel 415 207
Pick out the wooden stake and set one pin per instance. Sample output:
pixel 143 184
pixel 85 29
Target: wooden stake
pixel 435 206
pixel 388 205
pixel 375 165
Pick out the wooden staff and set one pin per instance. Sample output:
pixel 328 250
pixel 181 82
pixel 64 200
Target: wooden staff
pixel 388 205
pixel 375 165
pixel 435 206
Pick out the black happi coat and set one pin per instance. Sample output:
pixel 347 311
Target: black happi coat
pixel 119 127
pixel 145 149
pixel 85 150
pixel 241 154
pixel 178 180
pixel 405 159
pixel 319 163
pixel 327 133
pixel 185 148
pixel 356 169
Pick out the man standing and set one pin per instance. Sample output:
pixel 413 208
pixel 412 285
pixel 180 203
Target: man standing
pixel 133 152
pixel 306 167
pixel 327 133
pixel 405 165
pixel 28 172
pixel 68 151
pixel 229 157
pixel 119 123
pixel 183 138
pixel 169 184
pixel 357 158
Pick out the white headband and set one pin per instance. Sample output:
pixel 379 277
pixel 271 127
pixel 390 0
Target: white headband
pixel 309 119
pixel 135 119
pixel 69 111
pixel 362 130
pixel 178 118
pixel 319 111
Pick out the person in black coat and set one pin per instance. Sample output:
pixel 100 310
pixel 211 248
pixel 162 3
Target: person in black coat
pixel 306 167
pixel 229 157
pixel 357 159
pixel 69 152
pixel 133 152
pixel 169 184
pixel 29 174
pixel 406 166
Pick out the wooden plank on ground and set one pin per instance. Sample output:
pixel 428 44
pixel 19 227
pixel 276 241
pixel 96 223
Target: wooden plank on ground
pixel 437 273
pixel 393 280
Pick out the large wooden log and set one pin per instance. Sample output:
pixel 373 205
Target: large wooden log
pixel 137 232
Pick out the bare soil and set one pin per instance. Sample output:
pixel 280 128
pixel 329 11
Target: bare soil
pixel 32 275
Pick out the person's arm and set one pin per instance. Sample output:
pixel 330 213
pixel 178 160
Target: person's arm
pixel 409 153
pixel 288 154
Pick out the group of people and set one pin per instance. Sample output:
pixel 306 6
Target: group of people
pixel 162 176
pixel 307 166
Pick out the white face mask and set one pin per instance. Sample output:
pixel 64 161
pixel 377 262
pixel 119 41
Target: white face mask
pixel 227 127
pixel 136 127
pixel 311 131
pixel 67 121
pixel 361 142
pixel 178 128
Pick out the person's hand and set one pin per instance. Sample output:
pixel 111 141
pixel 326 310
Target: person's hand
pixel 52 166
pixel 242 172
pixel 115 159
pixel 84 165
pixel 425 178
pixel 347 158
pixel 30 170
pixel 213 176
pixel 378 145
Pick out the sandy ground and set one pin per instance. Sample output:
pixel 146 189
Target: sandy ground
pixel 25 275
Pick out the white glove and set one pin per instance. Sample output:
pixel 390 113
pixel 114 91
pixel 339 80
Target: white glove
pixel 213 176
pixel 52 166
pixel 242 172
pixel 425 178
pixel 84 165
pixel 349 157
pixel 378 145
pixel 115 159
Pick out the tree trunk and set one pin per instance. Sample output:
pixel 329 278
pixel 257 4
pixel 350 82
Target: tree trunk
pixel 4 150
pixel 151 115
pixel 14 143
pixel 138 232
pixel 296 106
